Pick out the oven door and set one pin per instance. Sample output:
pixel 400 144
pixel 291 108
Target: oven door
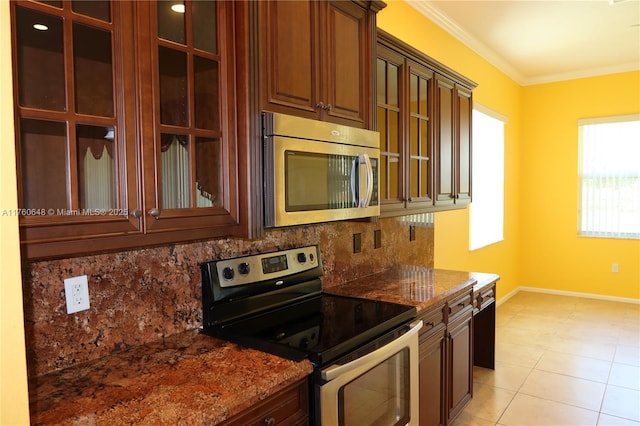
pixel 379 388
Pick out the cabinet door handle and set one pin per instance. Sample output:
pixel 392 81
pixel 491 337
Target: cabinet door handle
pixel 137 213
pixel 154 213
pixel 320 105
pixel 270 421
pixel 328 107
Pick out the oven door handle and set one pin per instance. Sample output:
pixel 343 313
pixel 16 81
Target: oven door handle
pixel 336 370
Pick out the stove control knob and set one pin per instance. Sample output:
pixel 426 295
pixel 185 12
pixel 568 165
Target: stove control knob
pixel 243 268
pixel 228 273
pixel 302 258
pixel 304 343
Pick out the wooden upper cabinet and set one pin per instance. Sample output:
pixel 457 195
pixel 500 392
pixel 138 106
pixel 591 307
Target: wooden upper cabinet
pixel 424 120
pixel 316 59
pixel 420 136
pixel 76 170
pixel 188 127
pixel 463 109
pixel 453 143
pixel 390 69
pixel 404 108
pixel 444 146
pixel 126 117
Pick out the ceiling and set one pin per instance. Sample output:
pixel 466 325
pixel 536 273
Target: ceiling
pixel 536 42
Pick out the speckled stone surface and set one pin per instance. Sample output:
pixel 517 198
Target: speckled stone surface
pixel 413 285
pixel 189 379
pixel 145 295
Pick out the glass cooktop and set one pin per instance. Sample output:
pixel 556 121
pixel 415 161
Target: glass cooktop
pixel 321 328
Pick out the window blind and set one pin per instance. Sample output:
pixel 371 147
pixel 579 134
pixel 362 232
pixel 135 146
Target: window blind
pixel 609 177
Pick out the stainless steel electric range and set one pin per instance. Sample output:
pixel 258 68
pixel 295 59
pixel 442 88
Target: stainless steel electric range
pixel 364 352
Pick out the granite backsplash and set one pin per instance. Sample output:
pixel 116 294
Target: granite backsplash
pixel 143 295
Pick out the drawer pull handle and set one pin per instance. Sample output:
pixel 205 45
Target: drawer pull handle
pixel 270 421
pixel 461 304
pixel 430 324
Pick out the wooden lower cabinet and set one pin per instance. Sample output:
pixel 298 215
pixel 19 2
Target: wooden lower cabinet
pixel 446 361
pixel 459 369
pixel 431 370
pixel 288 407
pixel 484 326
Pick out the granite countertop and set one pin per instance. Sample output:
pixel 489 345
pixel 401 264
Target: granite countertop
pixel 188 379
pixel 414 285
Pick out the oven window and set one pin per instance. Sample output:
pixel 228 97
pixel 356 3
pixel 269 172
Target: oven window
pixel 379 397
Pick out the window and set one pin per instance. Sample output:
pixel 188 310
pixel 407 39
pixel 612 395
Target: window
pixel 609 177
pixel 486 213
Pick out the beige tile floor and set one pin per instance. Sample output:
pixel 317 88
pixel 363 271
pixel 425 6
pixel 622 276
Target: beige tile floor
pixel 560 361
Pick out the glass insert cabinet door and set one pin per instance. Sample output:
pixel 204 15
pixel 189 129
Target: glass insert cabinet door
pixel 70 142
pixel 189 134
pixel 125 120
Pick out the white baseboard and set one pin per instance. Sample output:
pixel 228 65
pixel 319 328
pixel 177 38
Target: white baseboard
pixel 566 293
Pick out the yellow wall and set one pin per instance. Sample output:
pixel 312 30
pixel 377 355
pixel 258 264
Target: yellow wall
pixel 501 94
pixel 553 256
pixel 14 408
pixel 540 248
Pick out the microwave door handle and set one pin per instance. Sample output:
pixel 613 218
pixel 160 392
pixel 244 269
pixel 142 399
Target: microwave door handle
pixel 369 192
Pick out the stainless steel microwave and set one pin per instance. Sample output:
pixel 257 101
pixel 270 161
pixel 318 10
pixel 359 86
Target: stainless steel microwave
pixel 318 172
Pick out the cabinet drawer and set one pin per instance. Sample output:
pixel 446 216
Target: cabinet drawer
pixel 458 304
pixel 432 320
pixel 288 407
pixel 484 297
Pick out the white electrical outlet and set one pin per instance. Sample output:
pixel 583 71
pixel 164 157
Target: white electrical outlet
pixel 615 267
pixel 76 291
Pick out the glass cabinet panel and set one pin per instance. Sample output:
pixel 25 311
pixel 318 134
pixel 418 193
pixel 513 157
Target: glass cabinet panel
pixel 171 15
pixel 389 127
pixel 419 138
pixel 208 182
pixel 40 51
pixel 96 167
pixel 44 167
pixel 173 86
pixel 204 15
pixel 206 94
pixel 93 71
pixel 66 108
pixel 190 126
pixel 175 172
pixel 99 9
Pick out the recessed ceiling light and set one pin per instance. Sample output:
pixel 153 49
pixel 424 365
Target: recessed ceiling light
pixel 40 27
pixel 178 7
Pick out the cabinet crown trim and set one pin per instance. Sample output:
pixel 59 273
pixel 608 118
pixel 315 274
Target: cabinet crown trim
pixel 395 44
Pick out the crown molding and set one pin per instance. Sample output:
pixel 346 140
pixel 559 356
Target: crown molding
pixel 443 21
pixel 436 16
pixel 585 73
